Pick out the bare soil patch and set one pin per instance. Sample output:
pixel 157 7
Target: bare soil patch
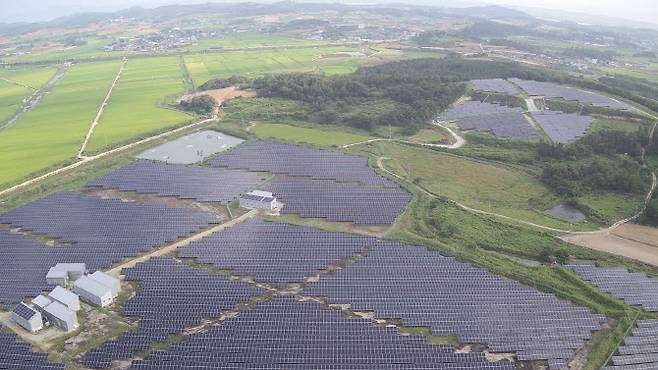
pixel 619 242
pixel 221 95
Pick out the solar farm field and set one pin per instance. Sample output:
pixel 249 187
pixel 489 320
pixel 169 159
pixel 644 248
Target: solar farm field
pixel 257 62
pixel 133 110
pixel 308 135
pixel 477 184
pixel 51 133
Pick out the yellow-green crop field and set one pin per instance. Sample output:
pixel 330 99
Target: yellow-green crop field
pixel 257 62
pixel 12 94
pixel 51 133
pixel 135 106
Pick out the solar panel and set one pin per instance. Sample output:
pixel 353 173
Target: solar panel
pixel 474 108
pixel 550 89
pixel 286 334
pixel 173 296
pixel 275 252
pixel 198 183
pixel 640 349
pixel 636 289
pixel 19 356
pixel 424 289
pixel 562 127
pixel 497 85
pixel 100 232
pixel 298 160
pixel 512 125
pixel 24 311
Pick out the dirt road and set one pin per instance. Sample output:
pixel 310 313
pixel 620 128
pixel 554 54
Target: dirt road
pixel 100 111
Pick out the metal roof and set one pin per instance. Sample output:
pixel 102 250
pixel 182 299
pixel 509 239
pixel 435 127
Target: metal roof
pixel 63 295
pixel 71 267
pixel 41 301
pixel 61 312
pixel 92 286
pixel 105 279
pixel 24 311
pixel 56 273
pixel 258 198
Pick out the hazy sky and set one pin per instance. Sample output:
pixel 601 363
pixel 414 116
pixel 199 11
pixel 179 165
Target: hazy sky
pixel 31 10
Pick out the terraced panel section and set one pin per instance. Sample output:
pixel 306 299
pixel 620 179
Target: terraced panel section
pixel 136 109
pixel 197 183
pixel 341 202
pixel 563 127
pixel 285 334
pixel 19 356
pixel 635 288
pixel 423 288
pixel 274 252
pixel 549 89
pixel 52 133
pixel 512 125
pixel 300 161
pixel 640 349
pixel 497 85
pixel 172 297
pixel 474 108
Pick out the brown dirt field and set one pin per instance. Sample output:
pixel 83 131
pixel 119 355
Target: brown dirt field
pixel 221 95
pixel 639 233
pixel 615 243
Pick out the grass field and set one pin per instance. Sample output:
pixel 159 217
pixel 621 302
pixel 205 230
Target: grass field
pixel 34 77
pixel 599 124
pixel 481 185
pixel 11 96
pixel 612 206
pixel 134 108
pixel 257 62
pixel 51 133
pixel 315 136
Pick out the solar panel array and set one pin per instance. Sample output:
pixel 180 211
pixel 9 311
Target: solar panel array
pixel 19 356
pixel 497 85
pixel 274 252
pixel 512 125
pixel 562 127
pixel 474 108
pixel 640 351
pixel 550 89
pixel 340 202
pixel 198 183
pixel 102 232
pixel 172 297
pixel 285 334
pixel 298 160
pixel 423 288
pixel 636 289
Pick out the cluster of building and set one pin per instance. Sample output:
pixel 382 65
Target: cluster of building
pixel 60 306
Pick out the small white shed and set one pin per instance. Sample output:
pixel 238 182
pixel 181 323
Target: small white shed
pixel 258 199
pixel 57 276
pixel 93 292
pixel 65 297
pixel 27 317
pixel 61 316
pixel 108 280
pixel 74 270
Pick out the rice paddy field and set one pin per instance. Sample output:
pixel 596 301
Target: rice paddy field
pixel 51 133
pixel 12 93
pixel 136 106
pixel 329 59
pixel 251 40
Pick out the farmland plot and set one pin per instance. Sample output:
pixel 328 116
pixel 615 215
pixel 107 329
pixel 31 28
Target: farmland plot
pixel 134 109
pixel 51 133
pixel 11 91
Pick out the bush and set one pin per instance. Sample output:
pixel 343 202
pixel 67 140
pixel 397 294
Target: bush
pixel 202 105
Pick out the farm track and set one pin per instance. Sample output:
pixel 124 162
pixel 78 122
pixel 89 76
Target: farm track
pixel 458 140
pixel 100 111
